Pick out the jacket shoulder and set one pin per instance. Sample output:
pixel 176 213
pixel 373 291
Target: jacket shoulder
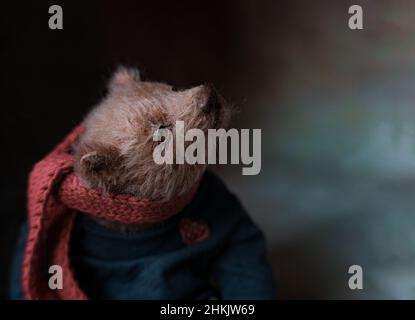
pixel 215 201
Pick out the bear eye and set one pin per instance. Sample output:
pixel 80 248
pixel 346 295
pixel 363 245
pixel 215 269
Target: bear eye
pixel 158 134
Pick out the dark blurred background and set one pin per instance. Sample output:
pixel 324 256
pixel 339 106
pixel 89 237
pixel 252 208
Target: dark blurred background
pixel 336 109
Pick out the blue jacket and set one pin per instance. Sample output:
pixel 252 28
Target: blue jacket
pixel 156 264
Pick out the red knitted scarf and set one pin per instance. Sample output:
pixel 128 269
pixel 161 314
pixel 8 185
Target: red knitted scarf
pixel 55 196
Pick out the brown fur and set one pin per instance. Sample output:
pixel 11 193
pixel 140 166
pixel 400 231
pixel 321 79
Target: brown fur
pixel 115 153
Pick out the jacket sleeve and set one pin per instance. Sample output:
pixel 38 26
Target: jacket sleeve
pixel 241 270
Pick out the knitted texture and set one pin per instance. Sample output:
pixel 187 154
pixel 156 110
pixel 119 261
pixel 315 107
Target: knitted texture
pixel 55 196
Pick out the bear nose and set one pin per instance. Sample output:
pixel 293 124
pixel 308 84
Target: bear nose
pixel 212 101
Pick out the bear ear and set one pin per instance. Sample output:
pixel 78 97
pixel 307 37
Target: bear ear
pixel 123 77
pixel 101 159
pixel 93 162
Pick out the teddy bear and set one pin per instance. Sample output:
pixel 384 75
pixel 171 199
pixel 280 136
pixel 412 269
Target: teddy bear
pixel 117 225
